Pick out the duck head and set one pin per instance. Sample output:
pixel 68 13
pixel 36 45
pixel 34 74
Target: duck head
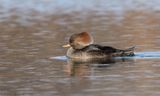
pixel 80 40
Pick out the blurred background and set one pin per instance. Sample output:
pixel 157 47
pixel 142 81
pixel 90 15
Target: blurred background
pixel 32 31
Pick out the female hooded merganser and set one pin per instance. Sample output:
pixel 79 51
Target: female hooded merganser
pixel 82 47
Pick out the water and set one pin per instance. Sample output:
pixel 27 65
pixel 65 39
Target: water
pixel 33 31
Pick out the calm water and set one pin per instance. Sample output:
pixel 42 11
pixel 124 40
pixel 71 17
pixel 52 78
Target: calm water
pixel 33 31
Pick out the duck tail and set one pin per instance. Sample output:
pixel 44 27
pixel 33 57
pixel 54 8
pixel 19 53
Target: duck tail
pixel 126 52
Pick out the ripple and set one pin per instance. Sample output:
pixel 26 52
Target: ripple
pixel 62 58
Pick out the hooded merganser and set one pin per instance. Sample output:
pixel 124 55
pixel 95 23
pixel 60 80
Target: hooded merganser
pixel 82 47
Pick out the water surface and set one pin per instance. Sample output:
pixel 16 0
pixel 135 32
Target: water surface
pixel 33 31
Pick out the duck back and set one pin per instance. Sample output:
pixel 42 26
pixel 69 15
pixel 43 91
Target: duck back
pixel 97 51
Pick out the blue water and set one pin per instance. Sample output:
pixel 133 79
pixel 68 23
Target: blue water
pixel 146 55
pixel 72 5
pixel 62 58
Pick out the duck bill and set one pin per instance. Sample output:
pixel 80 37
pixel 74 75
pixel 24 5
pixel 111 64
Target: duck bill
pixel 66 46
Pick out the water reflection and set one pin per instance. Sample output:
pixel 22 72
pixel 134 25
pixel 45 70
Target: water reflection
pixel 81 68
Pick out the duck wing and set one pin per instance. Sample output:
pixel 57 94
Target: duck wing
pixel 109 50
pixel 99 48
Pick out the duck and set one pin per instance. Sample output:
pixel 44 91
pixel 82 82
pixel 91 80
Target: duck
pixel 81 46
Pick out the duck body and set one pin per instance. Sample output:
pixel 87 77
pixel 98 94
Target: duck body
pixel 82 48
pixel 95 51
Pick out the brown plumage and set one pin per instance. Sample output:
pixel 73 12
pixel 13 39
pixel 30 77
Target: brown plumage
pixel 82 47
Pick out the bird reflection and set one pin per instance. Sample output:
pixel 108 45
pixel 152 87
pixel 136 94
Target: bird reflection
pixel 83 68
